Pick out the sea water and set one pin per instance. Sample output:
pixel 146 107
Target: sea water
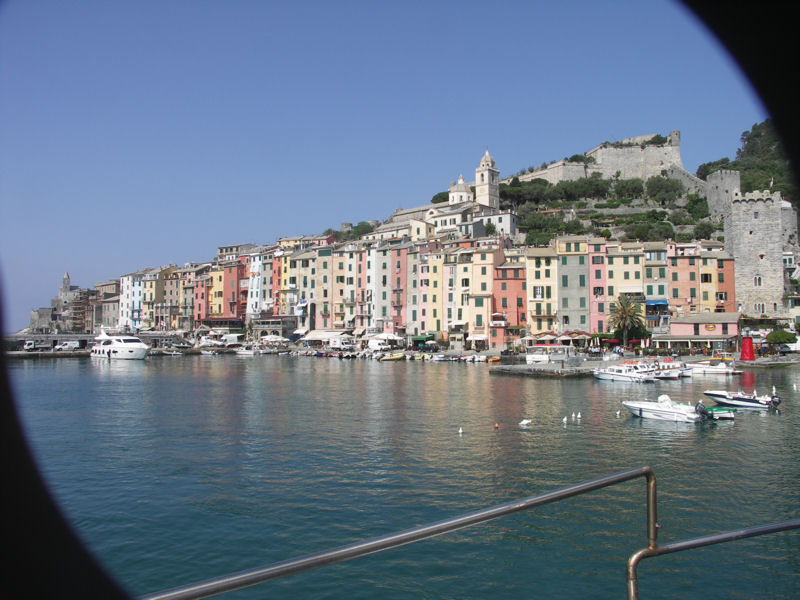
pixel 177 469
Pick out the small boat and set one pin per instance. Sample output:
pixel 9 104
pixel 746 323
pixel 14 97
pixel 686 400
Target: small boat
pixel 247 350
pixel 622 372
pixel 741 399
pixel 209 352
pixel 665 409
pixel 119 347
pixel 171 353
pixel 393 356
pixel 720 367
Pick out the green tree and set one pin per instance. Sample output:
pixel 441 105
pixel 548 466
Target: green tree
pixel 781 336
pixel 697 206
pixel 626 317
pixel 440 197
pixel 491 229
pixel 703 230
pixel 629 188
pixel 662 189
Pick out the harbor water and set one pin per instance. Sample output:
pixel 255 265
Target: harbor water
pixel 177 469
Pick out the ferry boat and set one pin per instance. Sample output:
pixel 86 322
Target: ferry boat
pixel 126 347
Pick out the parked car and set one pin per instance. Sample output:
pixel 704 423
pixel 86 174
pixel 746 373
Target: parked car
pixel 784 349
pixel 71 345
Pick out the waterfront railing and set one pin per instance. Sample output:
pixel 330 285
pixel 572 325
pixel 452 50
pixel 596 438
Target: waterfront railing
pixel 243 579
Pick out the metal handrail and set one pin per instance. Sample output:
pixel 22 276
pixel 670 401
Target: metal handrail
pixel 708 540
pixel 285 568
pixel 243 579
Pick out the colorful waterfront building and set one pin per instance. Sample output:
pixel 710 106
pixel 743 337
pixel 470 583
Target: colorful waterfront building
pixel 130 300
pixel 656 287
pixel 541 276
pixel 573 283
pixel 684 273
pixel 509 299
pixel 598 300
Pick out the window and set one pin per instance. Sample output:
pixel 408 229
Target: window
pixel 519 301
pixel 705 277
pixel 611 290
pixel 597 260
pixel 601 307
pixel 721 277
pixel 674 276
pixel 478 302
pixel 582 280
pixel 565 281
pixel 757 281
pixel 598 274
pixel 692 276
pixel 504 302
pixel 565 303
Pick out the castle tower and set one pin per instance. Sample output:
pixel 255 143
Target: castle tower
pixel 722 186
pixel 487 182
pixel 753 235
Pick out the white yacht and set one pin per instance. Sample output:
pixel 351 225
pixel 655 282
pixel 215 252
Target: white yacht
pixel 625 372
pixel 119 346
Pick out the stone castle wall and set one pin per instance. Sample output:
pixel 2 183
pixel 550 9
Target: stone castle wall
pixel 631 159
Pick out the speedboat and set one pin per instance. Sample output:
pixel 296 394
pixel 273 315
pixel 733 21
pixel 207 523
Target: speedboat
pixel 247 350
pixel 665 409
pixel 622 372
pixel 127 347
pixel 742 399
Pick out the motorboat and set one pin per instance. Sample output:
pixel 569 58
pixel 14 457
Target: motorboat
pixel 127 347
pixel 742 399
pixel 721 367
pixel 393 356
pixel 628 373
pixel 665 409
pixel 247 350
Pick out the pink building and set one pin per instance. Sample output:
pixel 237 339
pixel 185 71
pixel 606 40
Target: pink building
pixel 701 332
pixel 507 323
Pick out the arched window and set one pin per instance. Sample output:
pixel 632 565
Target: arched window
pixel 757 281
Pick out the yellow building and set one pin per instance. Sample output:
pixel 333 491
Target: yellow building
pixel 542 287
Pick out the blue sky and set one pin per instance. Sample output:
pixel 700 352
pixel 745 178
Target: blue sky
pixel 146 133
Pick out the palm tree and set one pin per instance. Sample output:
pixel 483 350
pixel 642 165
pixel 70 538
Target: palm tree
pixel 627 316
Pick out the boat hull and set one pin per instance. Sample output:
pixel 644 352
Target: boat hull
pixel 748 401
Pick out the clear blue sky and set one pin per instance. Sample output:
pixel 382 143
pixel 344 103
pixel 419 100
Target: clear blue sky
pixel 144 133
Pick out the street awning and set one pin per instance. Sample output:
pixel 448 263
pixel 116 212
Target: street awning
pixel 358 331
pixel 300 332
pixel 321 335
pixel 477 338
pixel 656 303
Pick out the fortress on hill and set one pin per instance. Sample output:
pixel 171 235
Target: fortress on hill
pixel 760 228
pixel 630 158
